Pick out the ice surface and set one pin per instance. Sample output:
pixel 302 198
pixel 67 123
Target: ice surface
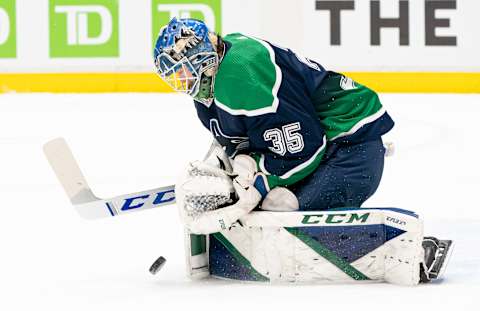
pixel 51 259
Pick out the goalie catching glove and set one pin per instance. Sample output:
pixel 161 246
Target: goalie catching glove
pixel 210 201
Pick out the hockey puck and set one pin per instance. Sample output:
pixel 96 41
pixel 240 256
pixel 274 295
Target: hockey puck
pixel 157 265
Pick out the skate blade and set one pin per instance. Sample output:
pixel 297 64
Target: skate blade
pixel 447 255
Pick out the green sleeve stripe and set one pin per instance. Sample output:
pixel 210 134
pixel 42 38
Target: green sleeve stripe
pixel 248 108
pixel 361 123
pixel 244 112
pixel 297 173
pixel 278 74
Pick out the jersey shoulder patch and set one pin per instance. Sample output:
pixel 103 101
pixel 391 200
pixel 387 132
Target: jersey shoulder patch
pixel 248 78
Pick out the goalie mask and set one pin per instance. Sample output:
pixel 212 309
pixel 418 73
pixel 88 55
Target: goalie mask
pixel 186 59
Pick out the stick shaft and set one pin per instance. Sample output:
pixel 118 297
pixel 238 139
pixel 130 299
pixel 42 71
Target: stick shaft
pixel 81 196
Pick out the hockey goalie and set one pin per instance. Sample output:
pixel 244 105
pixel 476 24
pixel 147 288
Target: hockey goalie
pixel 295 148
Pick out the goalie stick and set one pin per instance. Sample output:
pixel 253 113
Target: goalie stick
pixel 83 199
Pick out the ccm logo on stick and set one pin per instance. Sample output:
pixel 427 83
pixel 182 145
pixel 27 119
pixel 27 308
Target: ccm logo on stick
pixel 139 201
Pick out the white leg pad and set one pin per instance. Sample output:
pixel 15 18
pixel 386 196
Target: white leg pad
pixel 335 246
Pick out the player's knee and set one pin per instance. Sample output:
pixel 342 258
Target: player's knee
pixel 280 199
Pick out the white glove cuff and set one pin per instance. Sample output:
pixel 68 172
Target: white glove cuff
pixel 245 167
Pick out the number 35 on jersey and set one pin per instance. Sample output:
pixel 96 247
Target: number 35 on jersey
pixel 285 139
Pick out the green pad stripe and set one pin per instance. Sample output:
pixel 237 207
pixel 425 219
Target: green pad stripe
pixel 328 255
pixel 240 258
pixel 198 244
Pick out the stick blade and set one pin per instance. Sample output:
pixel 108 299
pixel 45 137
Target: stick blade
pixel 68 172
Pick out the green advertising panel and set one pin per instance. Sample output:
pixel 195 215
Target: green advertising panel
pixel 163 11
pixel 8 31
pixel 84 28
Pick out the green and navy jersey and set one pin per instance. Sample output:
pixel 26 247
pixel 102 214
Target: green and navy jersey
pixel 268 103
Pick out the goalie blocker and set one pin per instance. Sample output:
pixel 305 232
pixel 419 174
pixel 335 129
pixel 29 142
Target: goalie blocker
pixel 341 245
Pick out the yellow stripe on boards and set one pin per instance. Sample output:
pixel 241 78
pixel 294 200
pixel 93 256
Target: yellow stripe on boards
pixel 82 82
pixel 383 82
pixel 419 82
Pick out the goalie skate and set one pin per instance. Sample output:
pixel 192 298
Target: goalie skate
pixel 437 255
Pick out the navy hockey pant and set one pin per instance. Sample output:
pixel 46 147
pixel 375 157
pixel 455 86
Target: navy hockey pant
pixel 348 175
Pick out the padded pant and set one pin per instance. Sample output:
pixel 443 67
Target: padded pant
pixel 348 175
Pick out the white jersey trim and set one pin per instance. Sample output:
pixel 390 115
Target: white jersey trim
pixel 298 168
pixel 278 81
pixel 361 123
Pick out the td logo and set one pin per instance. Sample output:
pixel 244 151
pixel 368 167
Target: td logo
pixel 87 28
pixel 210 11
pixel 7 29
